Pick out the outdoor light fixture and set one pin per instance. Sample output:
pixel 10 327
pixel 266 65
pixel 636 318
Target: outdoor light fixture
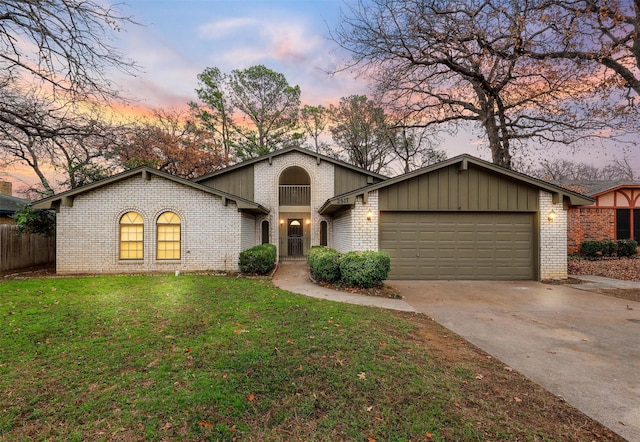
pixel 552 215
pixel 308 221
pixel 282 222
pixel 369 215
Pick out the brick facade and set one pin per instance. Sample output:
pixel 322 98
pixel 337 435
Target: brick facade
pixel 353 231
pixel 88 233
pixel 589 223
pixel 553 243
pixel 266 182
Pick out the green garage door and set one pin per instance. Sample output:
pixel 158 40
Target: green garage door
pixel 468 245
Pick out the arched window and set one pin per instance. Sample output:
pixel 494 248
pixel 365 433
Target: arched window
pixel 323 233
pixel 168 229
pixel 131 236
pixel 265 232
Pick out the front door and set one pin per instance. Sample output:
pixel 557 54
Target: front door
pixel 294 237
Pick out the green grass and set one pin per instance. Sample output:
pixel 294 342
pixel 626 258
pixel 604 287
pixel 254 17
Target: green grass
pixel 215 358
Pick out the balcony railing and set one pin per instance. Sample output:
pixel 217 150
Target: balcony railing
pixel 295 195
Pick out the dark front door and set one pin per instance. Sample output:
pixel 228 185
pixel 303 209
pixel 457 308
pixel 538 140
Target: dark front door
pixel 294 237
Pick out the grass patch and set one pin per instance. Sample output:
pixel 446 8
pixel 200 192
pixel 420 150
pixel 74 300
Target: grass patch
pixel 221 358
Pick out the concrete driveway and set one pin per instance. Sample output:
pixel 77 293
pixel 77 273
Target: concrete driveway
pixel 577 344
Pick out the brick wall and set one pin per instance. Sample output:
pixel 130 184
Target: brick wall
pixel 266 182
pixel 88 233
pixel 589 223
pixel 352 230
pixel 553 240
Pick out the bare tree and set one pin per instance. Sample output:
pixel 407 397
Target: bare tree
pixel 559 169
pixel 460 61
pixel 53 139
pixel 593 32
pixel 63 44
pixel 359 129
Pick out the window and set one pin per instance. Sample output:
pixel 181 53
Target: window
pixel 323 233
pixel 628 224
pixel 168 228
pixel 265 232
pixel 623 224
pixel 131 236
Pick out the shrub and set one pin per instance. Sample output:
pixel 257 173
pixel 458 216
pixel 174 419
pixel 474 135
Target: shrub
pixel 41 222
pixel 364 269
pixel 627 247
pixel 258 260
pixel 324 263
pixel 598 249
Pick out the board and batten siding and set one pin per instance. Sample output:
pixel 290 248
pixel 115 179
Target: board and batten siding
pixel 452 189
pixel 239 182
pixel 347 180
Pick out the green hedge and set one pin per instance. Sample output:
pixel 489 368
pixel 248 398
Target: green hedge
pixel 258 260
pixel 364 269
pixel 607 247
pixel 324 263
pixel 627 247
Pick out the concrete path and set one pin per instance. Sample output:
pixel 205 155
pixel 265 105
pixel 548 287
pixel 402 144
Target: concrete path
pixel 577 344
pixel 294 277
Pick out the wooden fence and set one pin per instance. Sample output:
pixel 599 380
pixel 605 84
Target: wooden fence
pixel 28 250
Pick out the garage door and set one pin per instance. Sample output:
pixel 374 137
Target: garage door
pixel 470 245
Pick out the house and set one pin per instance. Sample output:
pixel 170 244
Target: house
pixel 615 214
pixel 9 204
pixel 463 218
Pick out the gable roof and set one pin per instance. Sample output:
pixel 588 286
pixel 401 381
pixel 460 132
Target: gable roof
pixel 9 204
pixel 597 188
pixel 66 198
pixel 269 157
pixel 340 202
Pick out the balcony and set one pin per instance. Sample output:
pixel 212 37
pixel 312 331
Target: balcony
pixel 295 195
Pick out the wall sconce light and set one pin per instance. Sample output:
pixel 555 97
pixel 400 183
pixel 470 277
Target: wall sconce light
pixel 308 222
pixel 551 216
pixel 282 222
pixel 369 215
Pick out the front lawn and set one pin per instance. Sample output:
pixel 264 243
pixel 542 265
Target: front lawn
pixel 220 358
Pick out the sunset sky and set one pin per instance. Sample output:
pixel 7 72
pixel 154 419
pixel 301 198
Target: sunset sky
pixel 179 39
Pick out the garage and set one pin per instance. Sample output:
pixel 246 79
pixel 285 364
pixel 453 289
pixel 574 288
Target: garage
pixel 460 219
pixel 450 245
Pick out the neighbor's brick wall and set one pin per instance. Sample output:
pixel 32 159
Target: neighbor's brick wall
pixel 553 240
pixel 352 231
pixel 266 182
pixel 88 232
pixel 589 223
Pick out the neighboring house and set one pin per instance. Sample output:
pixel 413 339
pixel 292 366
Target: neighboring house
pixel 615 214
pixel 463 218
pixel 9 205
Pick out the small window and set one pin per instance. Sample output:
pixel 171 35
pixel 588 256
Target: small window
pixel 636 224
pixel 131 236
pixel 265 232
pixel 323 233
pixel 168 228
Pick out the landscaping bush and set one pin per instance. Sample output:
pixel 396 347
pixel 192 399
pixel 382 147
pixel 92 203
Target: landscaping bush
pixel 598 249
pixel 627 247
pixel 324 263
pixel 364 269
pixel 258 260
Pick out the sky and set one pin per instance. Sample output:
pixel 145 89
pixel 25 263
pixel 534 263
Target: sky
pixel 177 39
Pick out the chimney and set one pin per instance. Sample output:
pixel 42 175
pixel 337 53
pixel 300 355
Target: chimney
pixel 6 188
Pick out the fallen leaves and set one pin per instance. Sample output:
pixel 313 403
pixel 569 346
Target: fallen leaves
pixel 362 375
pixel 623 268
